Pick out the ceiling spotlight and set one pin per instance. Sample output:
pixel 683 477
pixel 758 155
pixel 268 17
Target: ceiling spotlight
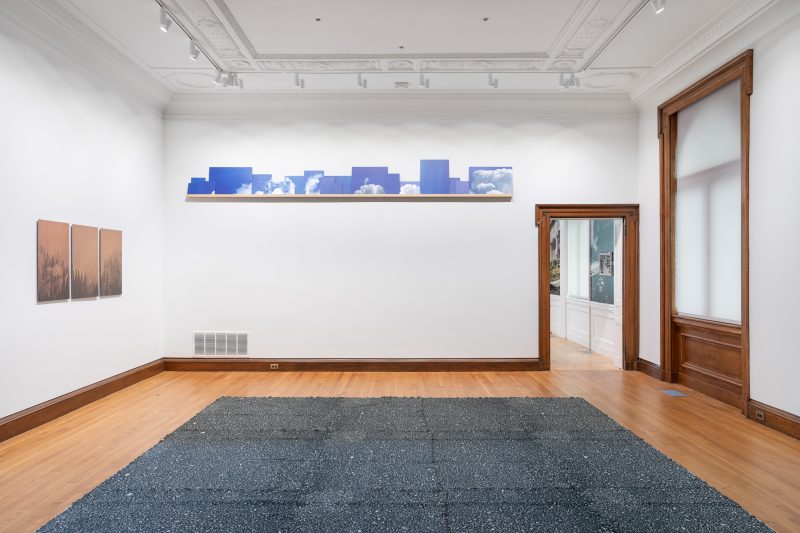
pixel 658 5
pixel 424 83
pixel 166 20
pixel 568 80
pixel 493 82
pixel 220 78
pixel 299 82
pixel 194 51
pixel 361 82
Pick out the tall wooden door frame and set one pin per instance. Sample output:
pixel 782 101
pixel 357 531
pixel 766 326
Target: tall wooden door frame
pixel 738 69
pixel 629 213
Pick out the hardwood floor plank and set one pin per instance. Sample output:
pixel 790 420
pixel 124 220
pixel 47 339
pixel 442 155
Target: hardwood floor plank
pixel 44 470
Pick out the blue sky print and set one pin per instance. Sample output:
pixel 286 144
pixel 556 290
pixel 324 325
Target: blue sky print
pixel 434 178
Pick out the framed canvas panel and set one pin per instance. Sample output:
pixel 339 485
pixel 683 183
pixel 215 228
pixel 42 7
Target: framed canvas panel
pixel 84 262
pixel 52 261
pixel 110 262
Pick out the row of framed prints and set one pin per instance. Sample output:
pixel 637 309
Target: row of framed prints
pixel 77 262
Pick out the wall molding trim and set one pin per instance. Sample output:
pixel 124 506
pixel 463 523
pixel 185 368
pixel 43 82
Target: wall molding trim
pixel 457 105
pixel 27 419
pixel 22 421
pixel 698 45
pixel 350 365
pixel 774 418
pixel 651 369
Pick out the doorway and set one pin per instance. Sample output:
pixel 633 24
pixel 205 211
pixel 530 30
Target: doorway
pixel 586 294
pixel 590 309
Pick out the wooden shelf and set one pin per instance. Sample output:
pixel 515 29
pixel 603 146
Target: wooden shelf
pixel 350 197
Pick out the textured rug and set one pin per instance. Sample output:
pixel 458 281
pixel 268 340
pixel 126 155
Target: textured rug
pixel 403 464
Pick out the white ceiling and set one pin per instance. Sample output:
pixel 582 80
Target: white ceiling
pixel 525 44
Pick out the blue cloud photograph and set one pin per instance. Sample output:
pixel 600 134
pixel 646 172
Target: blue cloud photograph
pixel 435 179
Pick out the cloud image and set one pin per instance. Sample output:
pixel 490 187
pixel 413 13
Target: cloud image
pixel 369 188
pixel 280 185
pixel 491 181
pixel 312 185
pixel 246 188
pixel 409 188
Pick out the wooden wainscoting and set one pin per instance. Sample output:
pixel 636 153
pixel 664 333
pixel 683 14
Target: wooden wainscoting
pixel 709 357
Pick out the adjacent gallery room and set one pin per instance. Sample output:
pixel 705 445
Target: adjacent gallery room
pixel 379 266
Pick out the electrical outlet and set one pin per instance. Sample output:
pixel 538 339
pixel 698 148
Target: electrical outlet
pixel 760 415
pixel 273 366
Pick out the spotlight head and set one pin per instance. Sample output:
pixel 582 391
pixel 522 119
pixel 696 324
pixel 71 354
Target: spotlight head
pixel 166 20
pixel 658 5
pixel 221 76
pixel 194 51
pixel 568 80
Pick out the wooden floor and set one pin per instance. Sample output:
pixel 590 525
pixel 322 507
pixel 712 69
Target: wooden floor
pixel 44 470
pixel 568 355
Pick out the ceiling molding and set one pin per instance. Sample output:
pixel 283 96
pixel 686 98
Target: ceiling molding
pixel 585 31
pixel 700 43
pixel 145 85
pixel 444 106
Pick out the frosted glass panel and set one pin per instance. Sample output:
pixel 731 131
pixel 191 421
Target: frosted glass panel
pixel 708 203
pixel 578 258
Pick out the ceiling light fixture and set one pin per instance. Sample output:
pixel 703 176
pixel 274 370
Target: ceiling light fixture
pixel 493 82
pixel 194 51
pixel 658 5
pixel 424 83
pixel 220 78
pixel 166 20
pixel 299 82
pixel 568 80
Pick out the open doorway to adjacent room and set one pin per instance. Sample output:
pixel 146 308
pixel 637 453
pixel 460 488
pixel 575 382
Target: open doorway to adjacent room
pixel 586 293
pixel 588 283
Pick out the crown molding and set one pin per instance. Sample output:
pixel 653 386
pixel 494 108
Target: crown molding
pixel 445 106
pixel 61 30
pixel 699 44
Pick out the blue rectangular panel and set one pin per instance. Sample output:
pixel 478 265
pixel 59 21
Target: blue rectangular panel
pixel 200 186
pixel 490 180
pixel 370 179
pixel 231 180
pixel 260 183
pixel 434 176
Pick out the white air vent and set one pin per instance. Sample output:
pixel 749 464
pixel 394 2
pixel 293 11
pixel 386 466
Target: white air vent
pixel 220 343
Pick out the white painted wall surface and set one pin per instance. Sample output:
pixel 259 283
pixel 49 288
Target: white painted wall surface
pixel 774 190
pixel 73 150
pixel 376 279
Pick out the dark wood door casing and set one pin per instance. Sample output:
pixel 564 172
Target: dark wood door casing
pixel 629 214
pixel 710 356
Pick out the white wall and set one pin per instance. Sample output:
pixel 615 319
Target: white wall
pixel 774 189
pixel 73 150
pixel 377 279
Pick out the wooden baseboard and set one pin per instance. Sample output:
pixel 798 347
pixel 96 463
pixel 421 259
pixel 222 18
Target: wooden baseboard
pixel 651 369
pixel 347 365
pixel 37 415
pixel 774 418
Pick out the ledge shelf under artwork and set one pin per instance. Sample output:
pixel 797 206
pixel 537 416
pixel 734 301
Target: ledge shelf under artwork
pixel 351 197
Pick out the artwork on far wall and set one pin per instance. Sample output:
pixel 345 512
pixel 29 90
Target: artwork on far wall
pixel 110 262
pixel 601 254
pixel 434 179
pixel 52 261
pixel 84 262
pixel 555 257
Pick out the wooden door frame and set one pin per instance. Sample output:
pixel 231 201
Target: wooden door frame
pixel 629 213
pixel 740 68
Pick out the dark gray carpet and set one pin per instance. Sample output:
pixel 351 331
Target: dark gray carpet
pixel 403 464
